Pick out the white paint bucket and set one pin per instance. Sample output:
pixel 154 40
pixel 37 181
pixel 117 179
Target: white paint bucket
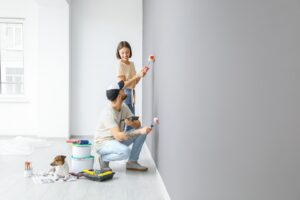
pixel 81 150
pixel 79 164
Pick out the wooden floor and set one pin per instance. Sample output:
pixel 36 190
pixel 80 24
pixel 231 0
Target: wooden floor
pixel 126 185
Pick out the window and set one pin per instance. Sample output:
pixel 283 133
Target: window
pixel 11 57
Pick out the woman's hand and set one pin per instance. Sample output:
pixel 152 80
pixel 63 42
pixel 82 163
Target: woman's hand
pixel 143 72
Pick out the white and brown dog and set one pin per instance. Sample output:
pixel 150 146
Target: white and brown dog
pixel 60 168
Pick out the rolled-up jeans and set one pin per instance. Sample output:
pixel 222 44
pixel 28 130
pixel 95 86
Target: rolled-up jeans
pixel 114 150
pixel 129 102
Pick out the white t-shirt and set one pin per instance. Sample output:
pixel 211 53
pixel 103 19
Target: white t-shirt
pixel 110 118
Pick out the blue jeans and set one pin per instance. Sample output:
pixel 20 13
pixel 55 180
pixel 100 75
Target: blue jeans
pixel 114 150
pixel 128 101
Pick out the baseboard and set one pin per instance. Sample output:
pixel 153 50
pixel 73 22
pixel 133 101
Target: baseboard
pixel 166 195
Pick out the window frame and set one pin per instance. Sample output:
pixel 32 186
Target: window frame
pixel 16 98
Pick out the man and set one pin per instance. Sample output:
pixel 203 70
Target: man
pixel 111 143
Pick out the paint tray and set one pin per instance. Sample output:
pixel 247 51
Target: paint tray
pixel 96 175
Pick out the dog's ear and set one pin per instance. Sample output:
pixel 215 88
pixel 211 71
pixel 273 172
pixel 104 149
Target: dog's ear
pixel 62 157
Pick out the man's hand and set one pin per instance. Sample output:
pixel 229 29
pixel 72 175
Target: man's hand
pixel 135 123
pixel 145 130
pixel 129 122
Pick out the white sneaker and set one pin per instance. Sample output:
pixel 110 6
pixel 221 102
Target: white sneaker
pixel 135 166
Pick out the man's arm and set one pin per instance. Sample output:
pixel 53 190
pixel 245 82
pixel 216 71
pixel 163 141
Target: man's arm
pixel 121 136
pixel 117 134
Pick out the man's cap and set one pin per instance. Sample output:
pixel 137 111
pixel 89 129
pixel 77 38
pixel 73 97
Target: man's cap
pixel 113 90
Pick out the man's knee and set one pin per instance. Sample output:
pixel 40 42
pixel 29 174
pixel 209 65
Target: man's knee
pixel 120 153
pixel 124 154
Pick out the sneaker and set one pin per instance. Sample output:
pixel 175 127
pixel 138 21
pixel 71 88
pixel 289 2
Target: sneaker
pixel 104 166
pixel 135 166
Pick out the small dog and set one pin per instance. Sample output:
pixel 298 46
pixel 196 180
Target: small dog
pixel 60 168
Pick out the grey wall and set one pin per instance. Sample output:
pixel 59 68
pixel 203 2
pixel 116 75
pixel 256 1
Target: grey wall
pixel 227 92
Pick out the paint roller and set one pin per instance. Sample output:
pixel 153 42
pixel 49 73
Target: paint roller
pixel 151 60
pixel 155 122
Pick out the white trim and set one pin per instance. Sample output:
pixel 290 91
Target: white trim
pixel 166 195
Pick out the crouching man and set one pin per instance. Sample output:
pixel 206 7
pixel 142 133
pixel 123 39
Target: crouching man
pixel 110 142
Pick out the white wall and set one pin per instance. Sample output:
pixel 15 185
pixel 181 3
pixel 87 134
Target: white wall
pixel 53 68
pixel 96 28
pixel 45 111
pixel 20 117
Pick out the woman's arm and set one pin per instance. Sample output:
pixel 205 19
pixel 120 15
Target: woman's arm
pixel 143 73
pixel 138 80
pixel 128 82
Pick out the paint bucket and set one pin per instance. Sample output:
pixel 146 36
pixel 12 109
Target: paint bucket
pixel 79 164
pixel 81 150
